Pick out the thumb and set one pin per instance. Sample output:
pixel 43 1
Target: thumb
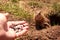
pixel 6 15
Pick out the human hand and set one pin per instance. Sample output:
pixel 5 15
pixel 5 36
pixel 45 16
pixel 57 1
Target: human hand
pixel 7 31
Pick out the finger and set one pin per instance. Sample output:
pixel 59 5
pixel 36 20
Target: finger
pixel 26 24
pixel 6 14
pixel 26 27
pixel 2 18
pixel 17 22
pixel 10 33
pixel 21 33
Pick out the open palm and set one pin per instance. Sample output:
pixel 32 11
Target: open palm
pixel 7 28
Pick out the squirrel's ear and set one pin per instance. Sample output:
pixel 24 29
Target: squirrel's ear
pixel 39 13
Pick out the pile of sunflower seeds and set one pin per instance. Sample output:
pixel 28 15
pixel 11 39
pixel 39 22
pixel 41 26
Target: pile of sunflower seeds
pixel 18 28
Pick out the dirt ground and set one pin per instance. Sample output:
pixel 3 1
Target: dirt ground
pixel 52 33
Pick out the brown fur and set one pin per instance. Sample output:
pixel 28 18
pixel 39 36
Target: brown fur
pixel 41 19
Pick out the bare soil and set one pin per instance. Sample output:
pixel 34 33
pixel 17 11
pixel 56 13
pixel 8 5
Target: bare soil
pixel 52 33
